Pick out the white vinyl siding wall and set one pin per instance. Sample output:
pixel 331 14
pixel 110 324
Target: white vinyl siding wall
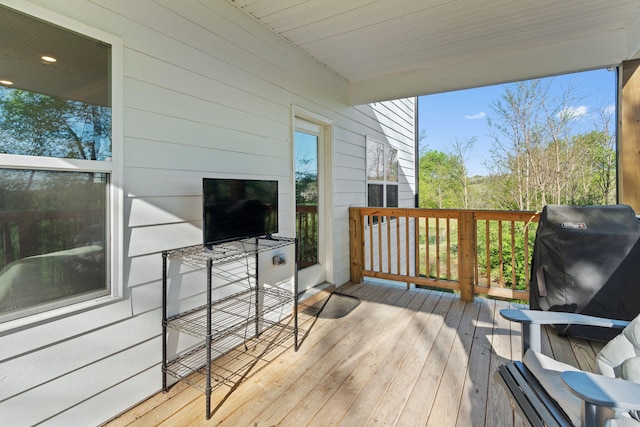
pixel 207 92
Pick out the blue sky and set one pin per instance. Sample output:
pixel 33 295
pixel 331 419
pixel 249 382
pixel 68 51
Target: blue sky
pixel 463 114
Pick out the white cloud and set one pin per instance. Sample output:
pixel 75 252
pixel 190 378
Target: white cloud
pixel 480 115
pixel 574 112
pixel 609 109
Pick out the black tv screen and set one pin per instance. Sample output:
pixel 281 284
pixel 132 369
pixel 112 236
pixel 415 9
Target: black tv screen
pixel 238 208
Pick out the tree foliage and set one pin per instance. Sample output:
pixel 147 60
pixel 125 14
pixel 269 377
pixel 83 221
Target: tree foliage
pixel 536 158
pixel 35 124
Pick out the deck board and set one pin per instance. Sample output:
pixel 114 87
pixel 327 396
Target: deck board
pixel 401 357
pixel 427 323
pixel 373 380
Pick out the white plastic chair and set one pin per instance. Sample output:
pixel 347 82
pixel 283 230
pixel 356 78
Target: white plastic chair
pixel 610 398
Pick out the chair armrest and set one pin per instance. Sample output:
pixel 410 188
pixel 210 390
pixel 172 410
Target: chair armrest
pixel 603 397
pixel 604 391
pixel 560 318
pixel 531 321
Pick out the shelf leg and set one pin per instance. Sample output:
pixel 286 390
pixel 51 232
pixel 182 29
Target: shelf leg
pixel 208 341
pixel 164 322
pixel 257 292
pixel 295 296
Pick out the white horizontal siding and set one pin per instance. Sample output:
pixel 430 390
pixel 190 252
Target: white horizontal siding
pixel 64 394
pixel 207 92
pixel 39 367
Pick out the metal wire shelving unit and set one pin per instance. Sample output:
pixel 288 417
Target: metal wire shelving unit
pixel 222 324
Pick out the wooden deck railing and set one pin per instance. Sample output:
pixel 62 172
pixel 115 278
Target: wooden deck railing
pixel 307 232
pixel 470 251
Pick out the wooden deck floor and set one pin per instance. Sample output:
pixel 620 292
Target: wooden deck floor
pixel 400 358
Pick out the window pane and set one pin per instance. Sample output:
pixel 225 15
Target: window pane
pixel 392 164
pixel 307 219
pixel 53 233
pixel 53 109
pixel 392 196
pixel 306 152
pixel 375 161
pixel 375 195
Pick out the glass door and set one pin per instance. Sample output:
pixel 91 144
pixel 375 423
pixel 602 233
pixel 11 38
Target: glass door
pixel 308 140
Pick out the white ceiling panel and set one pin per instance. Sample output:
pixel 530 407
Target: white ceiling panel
pixel 374 42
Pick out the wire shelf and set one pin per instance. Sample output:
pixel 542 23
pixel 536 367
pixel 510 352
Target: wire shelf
pixel 231 367
pixel 231 313
pixel 226 252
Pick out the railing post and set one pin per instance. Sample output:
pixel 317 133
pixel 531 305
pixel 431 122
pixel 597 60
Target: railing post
pixel 466 254
pixel 356 243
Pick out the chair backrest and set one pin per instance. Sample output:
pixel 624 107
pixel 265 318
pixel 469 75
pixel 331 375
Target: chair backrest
pixel 619 353
pixel 620 358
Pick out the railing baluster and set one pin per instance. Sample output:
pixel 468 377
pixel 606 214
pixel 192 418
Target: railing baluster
pixel 387 220
pixel 371 242
pixel 448 248
pixel 398 252
pixel 476 260
pixel 488 251
pixel 407 257
pixel 380 241
pixel 437 248
pixel 526 256
pixel 500 256
pixel 426 240
pixel 416 228
pixel 513 254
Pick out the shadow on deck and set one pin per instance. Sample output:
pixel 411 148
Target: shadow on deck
pixel 390 356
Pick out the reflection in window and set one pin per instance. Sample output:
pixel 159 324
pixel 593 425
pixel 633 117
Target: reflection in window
pixel 392 196
pixel 382 175
pixel 34 124
pixel 53 217
pixel 375 195
pixel 53 229
pixel 391 165
pixel 375 161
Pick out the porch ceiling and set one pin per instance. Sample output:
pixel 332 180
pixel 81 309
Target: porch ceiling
pixel 390 49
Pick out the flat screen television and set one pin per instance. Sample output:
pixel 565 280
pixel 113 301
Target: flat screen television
pixel 238 208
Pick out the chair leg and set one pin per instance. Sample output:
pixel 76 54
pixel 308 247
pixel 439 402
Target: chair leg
pixel 596 416
pixel 531 337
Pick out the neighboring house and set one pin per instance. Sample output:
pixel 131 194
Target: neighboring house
pixel 190 91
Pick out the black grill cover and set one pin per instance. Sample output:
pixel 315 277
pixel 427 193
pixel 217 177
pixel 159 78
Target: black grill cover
pixel 586 259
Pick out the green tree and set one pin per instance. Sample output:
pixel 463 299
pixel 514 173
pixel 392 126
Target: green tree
pixel 594 184
pixel 440 183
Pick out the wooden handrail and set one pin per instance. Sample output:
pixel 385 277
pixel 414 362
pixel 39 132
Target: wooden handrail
pixel 470 251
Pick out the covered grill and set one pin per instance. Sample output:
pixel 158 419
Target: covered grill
pixel 586 260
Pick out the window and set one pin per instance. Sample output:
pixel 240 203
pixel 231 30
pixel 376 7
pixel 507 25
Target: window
pixel 58 203
pixel 382 175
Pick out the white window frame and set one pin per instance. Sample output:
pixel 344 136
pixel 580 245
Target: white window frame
pixel 113 168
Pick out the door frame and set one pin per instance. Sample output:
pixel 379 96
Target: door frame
pixel 325 170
